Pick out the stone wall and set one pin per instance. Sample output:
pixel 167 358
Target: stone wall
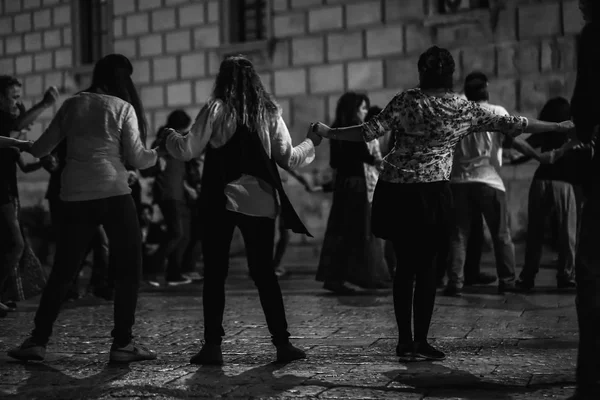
pixel 320 48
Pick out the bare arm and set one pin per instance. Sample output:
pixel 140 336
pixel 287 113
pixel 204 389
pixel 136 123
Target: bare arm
pixel 22 145
pixel 29 167
pixel 523 147
pixel 28 117
pixel 285 154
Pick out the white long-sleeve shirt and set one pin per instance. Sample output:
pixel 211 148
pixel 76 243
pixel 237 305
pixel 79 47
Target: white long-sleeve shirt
pixel 102 136
pixel 247 195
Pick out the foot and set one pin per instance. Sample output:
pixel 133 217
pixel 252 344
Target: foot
pixel 178 280
pixel 280 272
pixel 193 276
pixel 72 295
pixel 131 353
pixel 103 292
pixel 339 288
pixel 28 351
pixel 452 291
pixel 512 287
pixel 4 310
pixel 428 352
pixel 565 283
pixel 210 354
pixel 12 305
pixel 481 279
pixel 406 351
pixel 525 285
pixel 288 352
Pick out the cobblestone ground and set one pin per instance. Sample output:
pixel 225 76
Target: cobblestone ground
pixel 499 347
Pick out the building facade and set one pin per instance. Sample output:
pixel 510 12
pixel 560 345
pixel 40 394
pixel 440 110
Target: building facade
pixel 308 52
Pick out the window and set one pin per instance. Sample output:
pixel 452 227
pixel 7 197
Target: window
pixel 247 21
pixel 93 29
pixel 453 6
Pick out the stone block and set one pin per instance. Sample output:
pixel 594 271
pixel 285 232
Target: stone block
pixel 214 62
pixel 364 13
pixel 403 9
pixel 345 46
pixel 207 37
pixel 559 54
pixel 118 28
pixel 418 38
pixel 53 79
pixel 29 4
pixel 281 54
pixel 506 29
pixel 308 50
pixel 328 18
pixel 163 19
pixel 307 109
pixel 151 45
pixel 382 97
pixel 22 23
pixel 280 5
pixel 164 68
pixel 266 77
pixel 149 4
pixel 467 34
pixel 24 64
pixel 50 2
pixel 32 41
pixel 61 15
pixel 52 38
pixel 289 24
pixel 63 58
pixel 153 96
pixel 123 7
pixel 387 40
pixel 503 92
pixel 127 47
pixel 401 74
pixel 305 3
pixel 527 57
pixel 7 66
pixel 13 45
pixel 192 14
pixel 67 36
pixel 6 26
pixel 327 78
pixel 177 42
pixel 365 75
pixel 572 19
pixel 290 82
pixel 192 65
pixel 43 61
pixel 481 59
pixel 539 19
pixel 536 89
pixel 12 6
pixel 203 89
pixel 137 24
pixel 332 101
pixel 179 94
pixel 214 12
pixel 141 71
pixel 173 2
pixel 33 85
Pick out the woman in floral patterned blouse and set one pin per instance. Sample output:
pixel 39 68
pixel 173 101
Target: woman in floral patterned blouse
pixel 412 200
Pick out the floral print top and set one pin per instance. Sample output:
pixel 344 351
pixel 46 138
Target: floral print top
pixel 371 171
pixel 426 130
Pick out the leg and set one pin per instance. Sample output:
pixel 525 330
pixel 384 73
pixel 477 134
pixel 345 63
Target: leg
pixel 100 247
pixel 463 212
pixel 282 243
pixel 536 209
pixel 174 235
pixel 565 205
pixel 13 244
pixel 474 248
pixel 258 234
pixel 403 289
pixel 182 231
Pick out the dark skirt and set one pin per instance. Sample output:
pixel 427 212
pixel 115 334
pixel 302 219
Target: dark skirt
pixel 350 252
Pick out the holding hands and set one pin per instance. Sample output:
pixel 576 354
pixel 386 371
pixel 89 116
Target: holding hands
pixel 313 136
pixel 50 97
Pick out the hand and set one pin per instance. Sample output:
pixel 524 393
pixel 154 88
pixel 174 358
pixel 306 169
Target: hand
pixel 321 129
pixel 162 152
pixel 192 193
pixel 312 135
pixel 132 177
pixel 50 163
pixel 51 96
pixel 547 157
pixel 566 126
pixel 162 163
pixel 25 145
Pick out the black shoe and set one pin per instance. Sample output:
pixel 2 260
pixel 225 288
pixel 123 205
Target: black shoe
pixel 428 352
pixel 133 352
pixel 288 352
pixel 12 305
pixel 525 285
pixel 452 291
pixel 481 279
pixel 72 295
pixel 4 309
pixel 178 280
pixel 406 351
pixel 339 288
pixel 566 284
pixel 508 288
pixel 210 354
pixel 28 351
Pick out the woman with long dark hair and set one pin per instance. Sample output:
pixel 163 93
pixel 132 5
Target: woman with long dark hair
pixel 245 138
pixel 412 203
pixel 350 252
pixel 104 128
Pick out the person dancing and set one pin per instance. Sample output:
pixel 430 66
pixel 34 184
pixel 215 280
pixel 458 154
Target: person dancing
pixel 245 139
pixel 412 202
pixel 102 127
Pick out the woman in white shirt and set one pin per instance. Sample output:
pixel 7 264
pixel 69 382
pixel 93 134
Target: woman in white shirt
pixel 245 138
pixel 102 127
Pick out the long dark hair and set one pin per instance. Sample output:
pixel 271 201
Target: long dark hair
pixel 347 109
pixel 239 87
pixel 112 75
pixel 436 69
pixel 556 109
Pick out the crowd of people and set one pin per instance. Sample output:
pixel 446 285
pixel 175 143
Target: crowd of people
pixel 413 183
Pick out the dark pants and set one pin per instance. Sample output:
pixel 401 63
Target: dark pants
pixel 557 199
pixel 587 275
pixel 473 199
pixel 282 243
pixel 173 248
pixel 99 245
pixel 474 251
pixel 419 234
pixel 12 244
pixel 81 220
pixel 193 226
pixel 258 234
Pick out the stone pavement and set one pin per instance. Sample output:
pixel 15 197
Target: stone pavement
pixel 499 346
